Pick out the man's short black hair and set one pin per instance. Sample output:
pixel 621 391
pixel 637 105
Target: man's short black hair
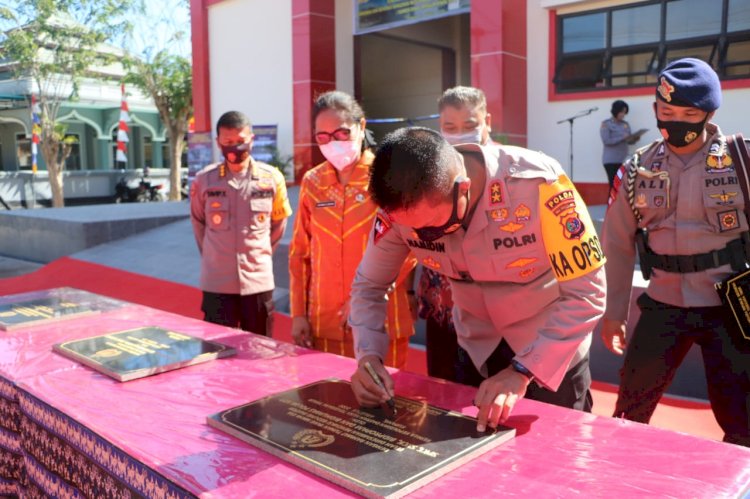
pixel 233 120
pixel 412 164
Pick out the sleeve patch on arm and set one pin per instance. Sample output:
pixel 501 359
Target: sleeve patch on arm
pixel 572 246
pixel 381 227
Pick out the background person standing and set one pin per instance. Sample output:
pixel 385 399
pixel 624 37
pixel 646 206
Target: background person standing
pixel 334 219
pixel 238 209
pixel 616 137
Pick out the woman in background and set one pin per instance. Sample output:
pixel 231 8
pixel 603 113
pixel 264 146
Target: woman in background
pixel 334 221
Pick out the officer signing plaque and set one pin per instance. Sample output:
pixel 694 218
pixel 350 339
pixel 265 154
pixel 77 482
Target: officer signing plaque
pixel 373 452
pixel 29 309
pixel 137 353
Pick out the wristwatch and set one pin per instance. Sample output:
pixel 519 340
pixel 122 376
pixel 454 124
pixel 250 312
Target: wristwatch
pixel 520 368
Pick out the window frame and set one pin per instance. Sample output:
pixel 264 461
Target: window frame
pixel 720 44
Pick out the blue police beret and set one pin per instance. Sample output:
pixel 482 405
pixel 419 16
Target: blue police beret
pixel 690 82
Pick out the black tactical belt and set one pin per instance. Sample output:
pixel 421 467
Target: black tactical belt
pixel 733 254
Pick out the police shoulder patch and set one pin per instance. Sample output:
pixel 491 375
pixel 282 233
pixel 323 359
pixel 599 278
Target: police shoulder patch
pixel 570 240
pixel 381 227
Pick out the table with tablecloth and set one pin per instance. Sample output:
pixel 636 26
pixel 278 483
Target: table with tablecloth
pixel 27 352
pixel 84 434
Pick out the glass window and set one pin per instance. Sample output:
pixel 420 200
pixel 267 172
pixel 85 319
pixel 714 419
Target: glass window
pixel 636 25
pixel 704 52
pixel 627 45
pixel 583 33
pixel 634 69
pixel 737 61
pixel 148 151
pixel 23 152
pixel 580 73
pixel 73 162
pixel 693 18
pixel 738 18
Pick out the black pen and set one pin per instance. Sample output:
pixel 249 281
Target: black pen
pixel 391 403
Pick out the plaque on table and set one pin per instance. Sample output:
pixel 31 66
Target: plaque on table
pixel 141 352
pixel 373 452
pixel 31 309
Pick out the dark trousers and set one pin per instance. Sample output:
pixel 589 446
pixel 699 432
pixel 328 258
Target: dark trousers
pixel 248 312
pixel 658 345
pixel 611 169
pixel 441 346
pixel 574 391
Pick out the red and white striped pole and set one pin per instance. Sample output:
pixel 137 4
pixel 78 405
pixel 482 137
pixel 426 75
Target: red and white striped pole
pixel 122 130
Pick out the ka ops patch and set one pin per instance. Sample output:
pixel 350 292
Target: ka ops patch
pixel 570 240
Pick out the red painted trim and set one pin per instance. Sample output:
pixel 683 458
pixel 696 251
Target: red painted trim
pixel 552 54
pixel 201 73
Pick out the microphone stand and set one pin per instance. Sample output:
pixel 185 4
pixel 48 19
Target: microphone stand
pixel 571 120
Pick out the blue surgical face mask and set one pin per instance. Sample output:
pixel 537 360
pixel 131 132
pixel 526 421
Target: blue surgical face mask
pixel 473 137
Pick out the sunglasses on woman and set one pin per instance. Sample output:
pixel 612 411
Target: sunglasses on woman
pixel 342 133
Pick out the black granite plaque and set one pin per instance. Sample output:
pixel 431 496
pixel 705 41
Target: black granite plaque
pixel 321 428
pixel 31 312
pixel 141 352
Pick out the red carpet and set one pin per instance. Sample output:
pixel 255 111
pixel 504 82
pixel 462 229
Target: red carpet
pixel 692 417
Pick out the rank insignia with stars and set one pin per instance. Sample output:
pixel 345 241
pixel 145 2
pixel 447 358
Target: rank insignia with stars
pixel 496 192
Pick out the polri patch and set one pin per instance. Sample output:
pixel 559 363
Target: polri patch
pixel 728 220
pixel 575 250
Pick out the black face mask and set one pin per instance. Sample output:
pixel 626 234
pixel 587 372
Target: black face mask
pixel 432 233
pixel 681 133
pixel 236 153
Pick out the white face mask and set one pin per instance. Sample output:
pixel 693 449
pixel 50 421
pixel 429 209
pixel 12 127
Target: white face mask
pixel 473 137
pixel 342 153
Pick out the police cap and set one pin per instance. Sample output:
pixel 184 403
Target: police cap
pixel 689 82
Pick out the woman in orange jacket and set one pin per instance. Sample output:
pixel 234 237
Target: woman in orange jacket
pixel 334 219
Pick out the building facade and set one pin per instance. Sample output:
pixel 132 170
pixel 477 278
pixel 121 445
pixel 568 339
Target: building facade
pixel 550 68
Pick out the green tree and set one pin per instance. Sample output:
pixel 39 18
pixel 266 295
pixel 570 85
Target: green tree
pixel 57 44
pixel 167 78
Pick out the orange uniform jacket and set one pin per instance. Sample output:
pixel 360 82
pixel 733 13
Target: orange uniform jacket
pixel 330 234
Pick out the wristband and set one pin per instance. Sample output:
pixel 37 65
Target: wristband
pixel 520 368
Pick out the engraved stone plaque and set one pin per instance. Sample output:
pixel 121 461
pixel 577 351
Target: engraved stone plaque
pixel 373 452
pixel 137 353
pixel 15 315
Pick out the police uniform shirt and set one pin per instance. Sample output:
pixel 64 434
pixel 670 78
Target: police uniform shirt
pixel 232 216
pixel 527 269
pixel 690 206
pixel 613 134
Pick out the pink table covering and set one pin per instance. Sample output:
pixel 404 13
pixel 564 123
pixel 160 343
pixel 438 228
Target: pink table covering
pixel 160 421
pixel 27 352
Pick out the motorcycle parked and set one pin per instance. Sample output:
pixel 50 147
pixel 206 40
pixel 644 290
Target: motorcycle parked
pixel 133 190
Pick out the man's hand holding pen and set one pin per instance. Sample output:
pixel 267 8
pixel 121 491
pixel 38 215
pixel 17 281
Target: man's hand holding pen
pixel 367 390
